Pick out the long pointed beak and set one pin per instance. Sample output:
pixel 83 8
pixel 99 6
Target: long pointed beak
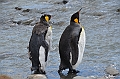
pixel 80 9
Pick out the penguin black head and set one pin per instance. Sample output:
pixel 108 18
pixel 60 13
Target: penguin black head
pixel 45 17
pixel 75 17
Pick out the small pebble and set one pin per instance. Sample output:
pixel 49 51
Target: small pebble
pixel 65 1
pixel 18 8
pixel 26 10
pixel 80 77
pixel 118 10
pixel 5 77
pixel 27 22
pixel 37 76
pixel 111 70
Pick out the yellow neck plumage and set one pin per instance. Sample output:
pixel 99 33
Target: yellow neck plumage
pixel 76 20
pixel 47 18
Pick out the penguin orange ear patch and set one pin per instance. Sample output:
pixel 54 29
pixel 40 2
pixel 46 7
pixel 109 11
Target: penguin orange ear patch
pixel 76 20
pixel 47 18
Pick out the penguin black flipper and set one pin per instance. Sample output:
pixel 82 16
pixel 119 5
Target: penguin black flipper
pixel 34 51
pixel 74 46
pixel 65 49
pixel 45 45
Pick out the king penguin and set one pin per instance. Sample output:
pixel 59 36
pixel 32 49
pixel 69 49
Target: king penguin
pixel 39 44
pixel 71 45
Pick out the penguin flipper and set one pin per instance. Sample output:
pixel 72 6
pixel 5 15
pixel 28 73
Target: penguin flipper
pixel 34 52
pixel 74 49
pixel 45 45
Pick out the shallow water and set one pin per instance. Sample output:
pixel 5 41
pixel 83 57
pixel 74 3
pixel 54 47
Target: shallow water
pixel 99 18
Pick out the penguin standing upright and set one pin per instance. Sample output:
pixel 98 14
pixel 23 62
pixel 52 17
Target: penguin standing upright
pixel 71 45
pixel 39 44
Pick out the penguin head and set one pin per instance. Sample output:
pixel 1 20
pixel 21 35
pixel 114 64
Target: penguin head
pixel 45 17
pixel 75 17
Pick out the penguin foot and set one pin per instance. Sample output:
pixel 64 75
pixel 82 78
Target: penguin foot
pixel 73 71
pixel 36 72
pixel 42 72
pixel 34 68
pixel 59 71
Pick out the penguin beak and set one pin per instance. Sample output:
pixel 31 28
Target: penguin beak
pixel 80 10
pixel 76 20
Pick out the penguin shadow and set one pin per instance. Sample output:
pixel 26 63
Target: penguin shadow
pixel 67 76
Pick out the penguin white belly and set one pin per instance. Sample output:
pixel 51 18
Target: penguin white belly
pixel 81 46
pixel 42 58
pixel 48 37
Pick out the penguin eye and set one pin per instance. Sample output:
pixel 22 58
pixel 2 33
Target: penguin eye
pixel 76 20
pixel 47 18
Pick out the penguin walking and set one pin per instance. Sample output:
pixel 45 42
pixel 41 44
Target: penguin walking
pixel 39 44
pixel 71 45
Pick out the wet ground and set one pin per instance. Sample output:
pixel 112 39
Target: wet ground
pixel 100 18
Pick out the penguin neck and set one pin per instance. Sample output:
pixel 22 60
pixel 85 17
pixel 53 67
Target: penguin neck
pixel 73 23
pixel 45 23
